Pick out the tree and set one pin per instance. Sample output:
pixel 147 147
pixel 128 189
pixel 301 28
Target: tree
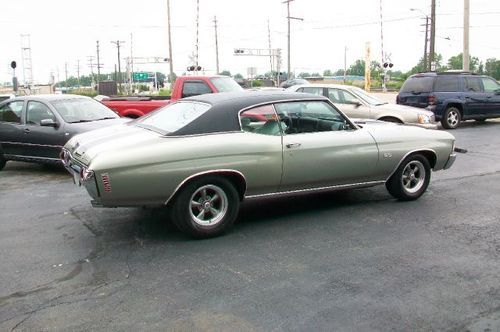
pixel 304 75
pixel 225 73
pixel 492 68
pixel 339 72
pixel 357 68
pixel 327 72
pixel 419 68
pixel 456 62
pixel 238 76
pixel 315 75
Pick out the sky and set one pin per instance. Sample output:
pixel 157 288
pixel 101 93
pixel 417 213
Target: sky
pixel 63 32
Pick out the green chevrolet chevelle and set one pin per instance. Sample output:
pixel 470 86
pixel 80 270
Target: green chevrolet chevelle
pixel 201 156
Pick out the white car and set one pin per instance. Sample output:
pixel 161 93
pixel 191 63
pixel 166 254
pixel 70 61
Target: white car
pixel 358 104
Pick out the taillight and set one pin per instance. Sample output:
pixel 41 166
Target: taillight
pixel 431 100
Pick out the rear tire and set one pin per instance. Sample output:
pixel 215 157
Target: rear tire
pixel 451 118
pixel 3 161
pixel 390 119
pixel 205 207
pixel 411 179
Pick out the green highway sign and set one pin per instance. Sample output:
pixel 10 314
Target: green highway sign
pixel 140 76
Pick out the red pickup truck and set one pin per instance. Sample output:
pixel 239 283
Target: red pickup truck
pixel 185 86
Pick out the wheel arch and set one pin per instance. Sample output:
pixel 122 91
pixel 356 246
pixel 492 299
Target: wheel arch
pixel 132 113
pixel 390 118
pixel 456 104
pixel 235 177
pixel 429 154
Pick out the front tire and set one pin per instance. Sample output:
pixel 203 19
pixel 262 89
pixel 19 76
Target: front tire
pixel 411 179
pixel 205 207
pixel 451 118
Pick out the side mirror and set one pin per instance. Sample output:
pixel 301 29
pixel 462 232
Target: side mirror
pixel 48 123
pixel 356 104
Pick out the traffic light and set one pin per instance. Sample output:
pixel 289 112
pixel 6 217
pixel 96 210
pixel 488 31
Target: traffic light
pixel 239 51
pixel 194 68
pixel 388 64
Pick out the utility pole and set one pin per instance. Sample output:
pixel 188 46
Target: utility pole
pixel 66 75
pixel 466 36
pixel 432 65
pixel 119 78
pixel 426 40
pixel 91 65
pixel 384 89
pixel 288 35
pixel 196 56
pixel 269 42
pixel 131 68
pixel 345 63
pixel 216 48
pixel 170 45
pixel 98 67
pixel 78 71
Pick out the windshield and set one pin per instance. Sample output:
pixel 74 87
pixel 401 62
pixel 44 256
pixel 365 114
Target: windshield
pixel 418 84
pixel 82 110
pixel 225 84
pixel 370 99
pixel 173 117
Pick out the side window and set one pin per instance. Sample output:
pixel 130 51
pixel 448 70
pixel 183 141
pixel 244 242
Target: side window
pixel 11 112
pixel 313 90
pixel 446 84
pixel 489 84
pixel 334 95
pixel 195 88
pixel 261 120
pixel 472 84
pixel 348 98
pixel 36 112
pixel 309 117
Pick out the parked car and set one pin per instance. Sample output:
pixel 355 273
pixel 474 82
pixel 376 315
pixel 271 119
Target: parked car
pixel 6 96
pixel 202 155
pixel 184 86
pixel 291 82
pixel 357 103
pixel 453 96
pixel 35 128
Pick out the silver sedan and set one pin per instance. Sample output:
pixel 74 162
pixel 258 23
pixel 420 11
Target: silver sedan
pixel 358 104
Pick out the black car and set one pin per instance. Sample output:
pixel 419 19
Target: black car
pixel 453 96
pixel 35 128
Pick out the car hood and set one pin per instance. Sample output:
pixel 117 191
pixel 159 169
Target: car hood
pixel 126 136
pixel 403 109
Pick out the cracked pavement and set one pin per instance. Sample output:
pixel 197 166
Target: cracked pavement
pixel 351 260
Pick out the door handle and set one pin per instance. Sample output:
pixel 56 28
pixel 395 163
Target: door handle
pixel 293 145
pixel 27 131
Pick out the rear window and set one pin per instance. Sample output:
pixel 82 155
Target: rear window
pixel 418 84
pixel 446 84
pixel 173 117
pixel 225 84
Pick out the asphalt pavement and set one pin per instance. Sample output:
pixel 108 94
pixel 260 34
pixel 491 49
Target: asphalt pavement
pixel 346 261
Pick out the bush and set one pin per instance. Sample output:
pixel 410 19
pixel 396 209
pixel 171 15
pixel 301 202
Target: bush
pixel 164 92
pixel 85 92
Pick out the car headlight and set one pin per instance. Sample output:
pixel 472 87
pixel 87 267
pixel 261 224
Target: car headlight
pixel 86 174
pixel 424 118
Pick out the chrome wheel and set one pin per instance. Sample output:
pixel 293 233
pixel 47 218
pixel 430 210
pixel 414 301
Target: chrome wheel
pixel 413 176
pixel 208 205
pixel 453 118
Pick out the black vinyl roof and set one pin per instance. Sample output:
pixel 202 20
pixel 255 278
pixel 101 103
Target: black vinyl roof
pixel 223 115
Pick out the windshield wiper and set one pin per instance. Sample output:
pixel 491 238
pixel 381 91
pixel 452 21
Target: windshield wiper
pixel 105 118
pixel 79 121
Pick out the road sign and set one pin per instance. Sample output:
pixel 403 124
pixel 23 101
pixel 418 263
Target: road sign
pixel 140 76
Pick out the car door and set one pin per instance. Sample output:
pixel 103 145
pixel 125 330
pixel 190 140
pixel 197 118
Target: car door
pixel 11 128
pixel 348 103
pixel 475 98
pixel 492 90
pixel 321 148
pixel 44 142
pixel 263 150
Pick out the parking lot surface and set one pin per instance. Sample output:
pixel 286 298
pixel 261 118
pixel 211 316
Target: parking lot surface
pixel 349 261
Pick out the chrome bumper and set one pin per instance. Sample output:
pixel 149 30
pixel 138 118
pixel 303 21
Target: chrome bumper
pixel 450 161
pixel 77 170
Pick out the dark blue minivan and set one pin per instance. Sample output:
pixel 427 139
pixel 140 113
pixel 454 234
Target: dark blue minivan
pixel 452 96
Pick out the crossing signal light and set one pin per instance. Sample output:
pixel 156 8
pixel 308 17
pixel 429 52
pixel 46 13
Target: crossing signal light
pixel 239 51
pixel 388 64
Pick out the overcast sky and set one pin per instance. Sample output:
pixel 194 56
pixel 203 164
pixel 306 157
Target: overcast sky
pixel 63 31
